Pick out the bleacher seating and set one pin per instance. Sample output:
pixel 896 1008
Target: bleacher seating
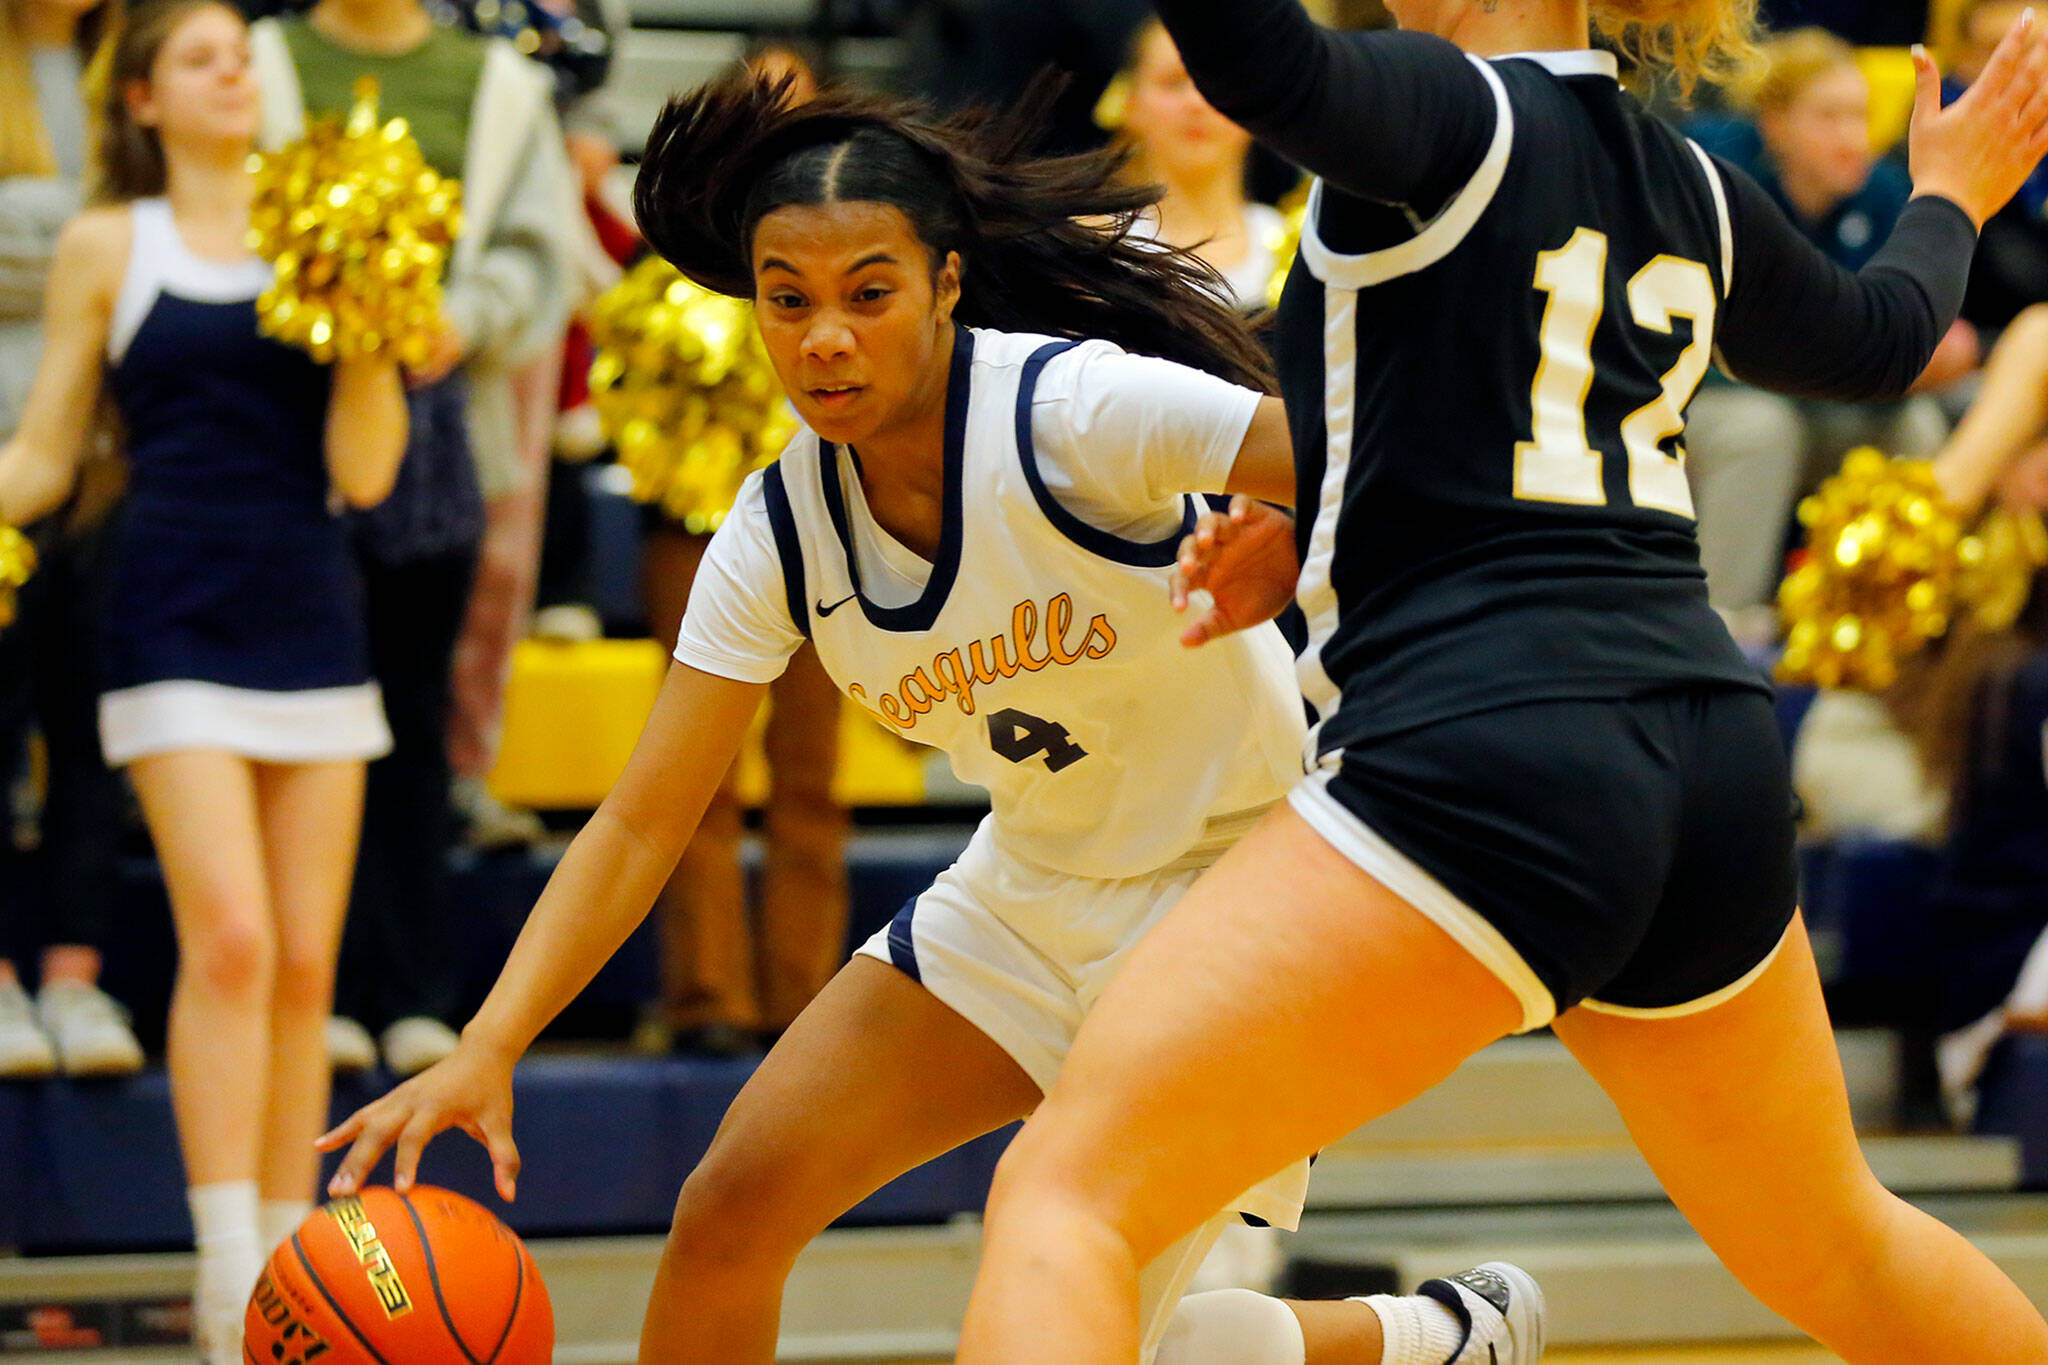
pixel 93 1165
pixel 2013 1101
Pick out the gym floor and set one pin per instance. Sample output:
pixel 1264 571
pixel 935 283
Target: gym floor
pixel 1772 1354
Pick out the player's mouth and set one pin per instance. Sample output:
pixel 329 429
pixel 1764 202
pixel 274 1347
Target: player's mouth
pixel 833 397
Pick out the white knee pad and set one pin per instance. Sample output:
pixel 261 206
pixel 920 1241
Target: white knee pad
pixel 1232 1327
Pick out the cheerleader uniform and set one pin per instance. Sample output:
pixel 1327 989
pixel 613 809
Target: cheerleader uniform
pixel 234 616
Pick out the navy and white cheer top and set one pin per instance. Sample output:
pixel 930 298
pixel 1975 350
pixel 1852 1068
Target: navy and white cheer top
pixel 235 617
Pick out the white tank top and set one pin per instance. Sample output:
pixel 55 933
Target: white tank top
pixel 1042 656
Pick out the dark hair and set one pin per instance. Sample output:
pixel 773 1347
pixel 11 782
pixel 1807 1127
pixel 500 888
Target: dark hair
pixel 1043 241
pixel 132 156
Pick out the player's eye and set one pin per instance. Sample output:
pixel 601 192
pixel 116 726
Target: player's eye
pixel 873 293
pixel 786 299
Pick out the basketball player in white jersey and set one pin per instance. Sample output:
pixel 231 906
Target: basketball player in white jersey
pixel 1008 411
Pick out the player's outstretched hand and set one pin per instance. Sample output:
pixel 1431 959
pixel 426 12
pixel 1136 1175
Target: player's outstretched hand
pixel 1244 559
pixel 471 1089
pixel 1980 150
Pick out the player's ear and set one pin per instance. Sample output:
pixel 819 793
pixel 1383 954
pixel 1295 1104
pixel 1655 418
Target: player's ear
pixel 946 287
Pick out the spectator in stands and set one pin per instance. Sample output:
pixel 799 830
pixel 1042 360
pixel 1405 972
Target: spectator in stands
pixel 724 986
pixel 47 49
pixel 2010 270
pixel 1180 142
pixel 1890 766
pixel 437 549
pixel 234 663
pixel 1751 453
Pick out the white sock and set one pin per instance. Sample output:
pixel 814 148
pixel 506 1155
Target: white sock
pixel 1232 1327
pixel 224 1225
pixel 278 1219
pixel 1417 1331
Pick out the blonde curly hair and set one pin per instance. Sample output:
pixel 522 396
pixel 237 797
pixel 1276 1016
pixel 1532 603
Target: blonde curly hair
pixel 1714 41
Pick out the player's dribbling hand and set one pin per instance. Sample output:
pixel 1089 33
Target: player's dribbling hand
pixel 471 1089
pixel 1981 149
pixel 1245 560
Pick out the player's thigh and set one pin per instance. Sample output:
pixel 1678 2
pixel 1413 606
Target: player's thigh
pixel 200 806
pixel 874 1078
pixel 1740 1109
pixel 1287 998
pixel 311 817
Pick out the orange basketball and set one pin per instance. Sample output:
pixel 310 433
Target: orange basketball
pixel 427 1278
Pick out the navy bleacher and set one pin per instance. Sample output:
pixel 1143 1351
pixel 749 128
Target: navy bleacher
pixel 606 1139
pixel 2012 1101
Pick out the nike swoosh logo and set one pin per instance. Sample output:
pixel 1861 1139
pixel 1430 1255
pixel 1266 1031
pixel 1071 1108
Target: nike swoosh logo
pixel 825 611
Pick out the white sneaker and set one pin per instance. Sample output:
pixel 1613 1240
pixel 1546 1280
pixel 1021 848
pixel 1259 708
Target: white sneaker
pixel 488 824
pixel 350 1048
pixel 567 623
pixel 26 1052
pixel 1501 1308
pixel 90 1030
pixel 412 1045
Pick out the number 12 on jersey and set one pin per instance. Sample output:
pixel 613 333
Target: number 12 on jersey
pixel 1560 464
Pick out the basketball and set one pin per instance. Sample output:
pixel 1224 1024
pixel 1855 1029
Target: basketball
pixel 426 1278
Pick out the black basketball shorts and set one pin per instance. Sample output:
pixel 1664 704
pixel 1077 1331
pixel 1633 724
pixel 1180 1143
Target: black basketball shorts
pixel 1632 856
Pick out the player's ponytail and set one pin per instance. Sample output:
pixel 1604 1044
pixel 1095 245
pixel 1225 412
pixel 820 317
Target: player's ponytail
pixel 1042 240
pixel 1692 40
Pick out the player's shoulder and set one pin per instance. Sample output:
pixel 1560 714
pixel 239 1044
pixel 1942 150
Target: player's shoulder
pixel 995 350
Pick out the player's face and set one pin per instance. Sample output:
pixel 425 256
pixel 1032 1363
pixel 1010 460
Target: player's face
pixel 1822 138
pixel 856 320
pixel 1180 132
pixel 201 88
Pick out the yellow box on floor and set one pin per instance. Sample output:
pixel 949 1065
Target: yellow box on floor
pixel 574 711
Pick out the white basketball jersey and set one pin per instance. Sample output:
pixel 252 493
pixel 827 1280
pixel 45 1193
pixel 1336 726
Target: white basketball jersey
pixel 1043 655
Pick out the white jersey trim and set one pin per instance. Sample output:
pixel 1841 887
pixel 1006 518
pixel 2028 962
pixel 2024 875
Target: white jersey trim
pixel 1443 233
pixel 1583 61
pixel 1720 194
pixel 1373 855
pixel 1313 590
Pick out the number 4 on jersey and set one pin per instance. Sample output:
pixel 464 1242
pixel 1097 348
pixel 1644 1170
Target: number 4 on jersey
pixel 1020 736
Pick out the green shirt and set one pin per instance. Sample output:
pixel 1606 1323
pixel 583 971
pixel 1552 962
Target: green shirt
pixel 432 87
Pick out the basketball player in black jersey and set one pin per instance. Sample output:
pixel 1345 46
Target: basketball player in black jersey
pixel 1545 786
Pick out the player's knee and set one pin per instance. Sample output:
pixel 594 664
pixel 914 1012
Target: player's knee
pixel 1810 1250
pixel 1040 1168
pixel 234 957
pixel 739 1212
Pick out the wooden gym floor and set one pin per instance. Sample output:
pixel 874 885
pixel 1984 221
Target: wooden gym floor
pixel 1687 1355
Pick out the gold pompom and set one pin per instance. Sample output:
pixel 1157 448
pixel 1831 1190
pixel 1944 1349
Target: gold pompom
pixel 17 564
pixel 1888 566
pixel 358 227
pixel 686 392
pixel 1287 242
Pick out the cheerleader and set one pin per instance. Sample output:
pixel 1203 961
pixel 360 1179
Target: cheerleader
pixel 236 683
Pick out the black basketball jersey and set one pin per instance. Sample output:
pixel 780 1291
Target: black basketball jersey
pixel 1488 417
